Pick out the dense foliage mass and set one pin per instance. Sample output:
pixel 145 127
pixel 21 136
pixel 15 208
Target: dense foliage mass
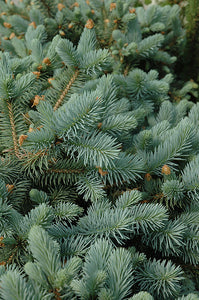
pixel 99 157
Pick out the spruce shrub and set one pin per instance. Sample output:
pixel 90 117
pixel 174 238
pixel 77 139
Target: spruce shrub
pixel 99 157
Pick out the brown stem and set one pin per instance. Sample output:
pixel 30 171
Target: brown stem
pixel 66 90
pixel 126 70
pixel 47 7
pixel 11 256
pixel 14 134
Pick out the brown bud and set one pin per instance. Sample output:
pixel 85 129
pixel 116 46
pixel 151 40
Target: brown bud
pixel 12 35
pixel 144 201
pixel 89 24
pixel 3 13
pixel 132 10
pixel 106 21
pixel 30 129
pixel 92 10
pixel 40 127
pixel 158 196
pixel 76 4
pixel 7 25
pixel 33 24
pixel 37 74
pixel 22 138
pixel 62 33
pixel 60 6
pixel 46 61
pixel 36 100
pixel 1 239
pixel 115 21
pixel 148 177
pixel 39 68
pixel 10 187
pixel 166 170
pixel 50 80
pixel 87 2
pixel 103 173
pixel 70 26
pixel 99 125
pixel 5 38
pixel 112 6
pixel 163 32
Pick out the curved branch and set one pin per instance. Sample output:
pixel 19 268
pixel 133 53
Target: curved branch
pixel 66 90
pixel 14 133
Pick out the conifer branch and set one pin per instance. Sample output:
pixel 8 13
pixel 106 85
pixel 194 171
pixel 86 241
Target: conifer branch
pixel 65 171
pixel 65 92
pixel 12 123
pixel 46 7
pixel 126 70
pixel 108 164
pixel 12 255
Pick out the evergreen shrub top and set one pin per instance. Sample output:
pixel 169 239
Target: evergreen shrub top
pixel 99 156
